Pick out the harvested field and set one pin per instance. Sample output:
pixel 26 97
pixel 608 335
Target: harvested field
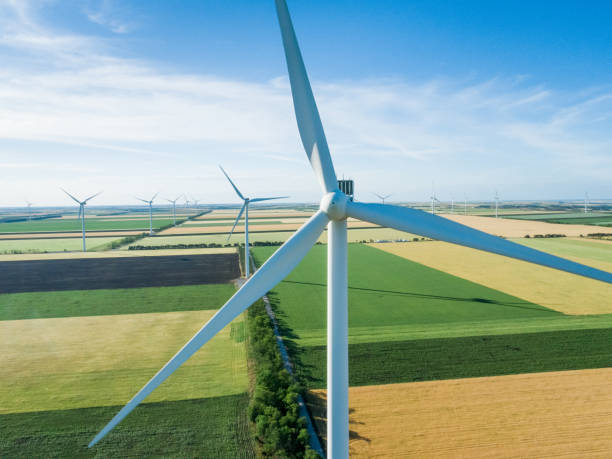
pixel 354 235
pixel 260 228
pixel 254 213
pixel 553 289
pixel 64 235
pixel 125 272
pixel 566 414
pixel 74 362
pixel 113 253
pixel 507 227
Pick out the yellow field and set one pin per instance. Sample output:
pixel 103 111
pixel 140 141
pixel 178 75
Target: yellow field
pixel 557 414
pixel 553 289
pixel 520 228
pixel 52 364
pixel 292 226
pixel 114 254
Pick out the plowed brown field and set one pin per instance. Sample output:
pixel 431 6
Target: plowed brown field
pixel 557 414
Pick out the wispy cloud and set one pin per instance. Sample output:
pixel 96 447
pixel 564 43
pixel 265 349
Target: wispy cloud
pixel 78 93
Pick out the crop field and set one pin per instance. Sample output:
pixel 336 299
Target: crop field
pixel 231 214
pixel 113 272
pixel 507 227
pixel 576 218
pixel 354 235
pixel 51 245
pixel 72 358
pixel 409 323
pixel 556 290
pixel 91 224
pixel 556 414
pixel 100 253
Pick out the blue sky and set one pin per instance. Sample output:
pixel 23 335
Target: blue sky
pixel 135 97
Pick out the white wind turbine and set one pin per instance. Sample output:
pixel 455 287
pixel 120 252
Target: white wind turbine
pixel 496 203
pixel 150 202
pixel 245 209
pixel 335 208
pixel 82 212
pixel 382 198
pixel 586 202
pixel 173 201
pixel 29 210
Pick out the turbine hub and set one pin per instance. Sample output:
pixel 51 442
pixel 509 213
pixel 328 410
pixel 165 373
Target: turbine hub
pixel 334 205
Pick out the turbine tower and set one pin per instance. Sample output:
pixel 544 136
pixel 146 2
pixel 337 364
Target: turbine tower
pixel 433 199
pixel 586 202
pixel 150 202
pixel 245 209
pixel 335 208
pixel 496 203
pixel 29 210
pixel 81 212
pixel 382 198
pixel 174 208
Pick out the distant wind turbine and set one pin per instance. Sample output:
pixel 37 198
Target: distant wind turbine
pixel 382 198
pixel 82 212
pixel 173 201
pixel 496 203
pixel 586 202
pixel 335 207
pixel 150 202
pixel 245 209
pixel 29 210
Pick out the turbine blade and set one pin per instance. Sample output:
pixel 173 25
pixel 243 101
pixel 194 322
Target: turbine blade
pixel 232 183
pixel 237 219
pixel 272 272
pixel 80 210
pixel 442 229
pixel 154 196
pixel 143 200
pixel 379 196
pixel 93 196
pixel 306 113
pixel 71 196
pixel 268 199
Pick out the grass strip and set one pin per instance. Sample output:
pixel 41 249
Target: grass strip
pixel 466 357
pixel 74 303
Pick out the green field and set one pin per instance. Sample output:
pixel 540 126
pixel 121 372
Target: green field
pixel 408 322
pixel 164 429
pixel 574 218
pixel 564 247
pixel 386 290
pixel 91 224
pixel 76 303
pixel 69 370
pixel 231 222
pixel 467 357
pixel 52 244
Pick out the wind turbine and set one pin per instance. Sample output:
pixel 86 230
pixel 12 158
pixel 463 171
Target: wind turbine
pixel 150 202
pixel 81 212
pixel 335 208
pixel 433 199
pixel 29 210
pixel 174 207
pixel 496 203
pixel 586 202
pixel 245 209
pixel 382 198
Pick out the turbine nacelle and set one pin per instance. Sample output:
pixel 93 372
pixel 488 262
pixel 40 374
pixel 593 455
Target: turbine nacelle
pixel 334 205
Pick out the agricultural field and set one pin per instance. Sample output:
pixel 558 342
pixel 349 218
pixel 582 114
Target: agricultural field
pixel 112 253
pixel 555 414
pixel 91 224
pixel 512 228
pixel 573 218
pixel 52 244
pixel 556 290
pixel 354 235
pixel 72 358
pixel 412 325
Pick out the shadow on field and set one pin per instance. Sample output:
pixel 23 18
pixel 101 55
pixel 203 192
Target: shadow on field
pixel 424 296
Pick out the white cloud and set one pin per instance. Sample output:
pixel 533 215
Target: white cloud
pixel 162 124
